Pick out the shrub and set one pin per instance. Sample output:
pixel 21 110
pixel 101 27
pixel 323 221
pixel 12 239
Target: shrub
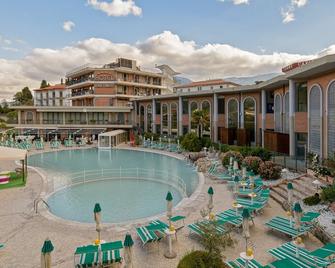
pixel 252 163
pixel 269 170
pixel 200 259
pixel 191 142
pixel 312 200
pixel 328 193
pixel 260 152
pixel 226 157
pixel 206 142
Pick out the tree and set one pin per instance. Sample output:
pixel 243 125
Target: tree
pixel 201 119
pixel 23 97
pixel 44 84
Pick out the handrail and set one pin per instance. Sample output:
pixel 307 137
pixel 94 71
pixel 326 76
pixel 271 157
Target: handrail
pixel 60 181
pixel 37 201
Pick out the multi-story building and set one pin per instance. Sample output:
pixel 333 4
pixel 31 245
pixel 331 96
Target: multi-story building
pixel 204 85
pixel 52 96
pixel 99 98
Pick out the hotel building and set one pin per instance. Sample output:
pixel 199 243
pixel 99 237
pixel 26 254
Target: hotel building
pixel 291 113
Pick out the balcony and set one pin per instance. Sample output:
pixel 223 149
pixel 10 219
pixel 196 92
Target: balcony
pixel 82 93
pixel 277 142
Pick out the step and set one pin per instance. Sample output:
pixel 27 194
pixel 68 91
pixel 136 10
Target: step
pixel 304 188
pixel 296 194
pixel 277 198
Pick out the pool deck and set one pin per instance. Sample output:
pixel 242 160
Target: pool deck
pixel 23 231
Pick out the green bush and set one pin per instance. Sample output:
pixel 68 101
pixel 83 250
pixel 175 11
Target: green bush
pixel 269 170
pixel 252 163
pixel 262 153
pixel 328 193
pixel 312 200
pixel 226 157
pixel 200 259
pixel 191 142
pixel 206 142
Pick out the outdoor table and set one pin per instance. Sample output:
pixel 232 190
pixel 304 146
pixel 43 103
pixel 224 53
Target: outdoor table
pixel 243 184
pixel 252 195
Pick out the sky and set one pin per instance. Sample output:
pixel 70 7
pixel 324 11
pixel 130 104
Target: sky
pixel 202 39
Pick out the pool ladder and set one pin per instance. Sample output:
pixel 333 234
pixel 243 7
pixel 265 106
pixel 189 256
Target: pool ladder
pixel 37 201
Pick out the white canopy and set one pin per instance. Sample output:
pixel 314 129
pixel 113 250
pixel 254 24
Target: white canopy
pixel 112 133
pixel 7 153
pixel 112 138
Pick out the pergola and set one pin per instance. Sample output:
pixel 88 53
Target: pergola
pixel 112 138
pixel 12 154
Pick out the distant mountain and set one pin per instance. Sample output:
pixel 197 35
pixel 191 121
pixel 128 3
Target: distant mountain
pixel 249 80
pixel 181 80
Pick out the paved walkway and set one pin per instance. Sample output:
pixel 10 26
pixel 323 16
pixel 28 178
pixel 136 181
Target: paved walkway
pixel 23 231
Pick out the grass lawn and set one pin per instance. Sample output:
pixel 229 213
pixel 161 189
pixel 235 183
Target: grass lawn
pixel 15 181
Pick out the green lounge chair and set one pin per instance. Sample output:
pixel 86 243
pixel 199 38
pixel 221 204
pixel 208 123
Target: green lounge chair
pixel 251 264
pixel 147 236
pixel 309 217
pixel 230 217
pixel 283 225
pixel 284 263
pixel 111 253
pixel 325 252
pixel 86 256
pixel 197 227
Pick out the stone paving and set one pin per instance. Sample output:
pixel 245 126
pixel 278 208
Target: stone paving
pixel 23 231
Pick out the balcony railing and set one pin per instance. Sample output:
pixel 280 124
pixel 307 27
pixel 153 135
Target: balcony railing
pixel 76 122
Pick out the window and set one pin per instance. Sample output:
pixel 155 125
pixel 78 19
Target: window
pixel 158 107
pixel 199 88
pixel 250 118
pixel 185 106
pixel 149 118
pixel 269 102
pixel 331 119
pixel 314 120
pixel 301 97
pixel 164 117
pixel 278 115
pixel 174 116
pixel 124 77
pixel 194 106
pixel 221 106
pixel 232 113
pixel 61 94
pixel 301 142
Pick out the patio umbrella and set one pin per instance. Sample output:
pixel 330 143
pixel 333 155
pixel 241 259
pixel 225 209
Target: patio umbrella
pixel 169 206
pixel 289 194
pixel 210 200
pixel 128 245
pixel 46 254
pixel 297 215
pixel 236 180
pixel 97 218
pixel 245 223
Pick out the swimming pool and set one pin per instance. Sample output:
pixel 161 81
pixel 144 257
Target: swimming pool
pixel 128 184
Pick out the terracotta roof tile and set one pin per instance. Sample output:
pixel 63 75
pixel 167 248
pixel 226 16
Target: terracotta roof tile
pixel 54 87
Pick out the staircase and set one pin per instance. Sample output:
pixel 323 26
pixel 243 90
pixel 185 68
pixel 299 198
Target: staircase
pixel 302 188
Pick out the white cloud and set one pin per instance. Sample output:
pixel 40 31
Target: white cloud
pixel 299 3
pixel 116 8
pixel 195 61
pixel 68 26
pixel 288 15
pixel 5 41
pixel 237 2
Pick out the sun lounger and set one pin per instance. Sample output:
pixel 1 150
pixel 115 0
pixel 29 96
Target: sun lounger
pixel 86 256
pixel 309 217
pixel 284 263
pixel 111 253
pixel 283 225
pixel 230 217
pixel 325 252
pixel 197 227
pixel 303 259
pixel 149 235
pixel 251 264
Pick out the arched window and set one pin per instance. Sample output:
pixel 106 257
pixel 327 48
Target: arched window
pixel 232 113
pixel 149 118
pixel 142 118
pixel 250 118
pixel 205 106
pixel 278 110
pixel 165 122
pixel 193 107
pixel 174 117
pixel 315 125
pixel 286 113
pixel 331 119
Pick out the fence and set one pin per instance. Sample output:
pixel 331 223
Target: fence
pixel 60 181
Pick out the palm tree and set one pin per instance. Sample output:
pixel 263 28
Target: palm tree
pixel 201 119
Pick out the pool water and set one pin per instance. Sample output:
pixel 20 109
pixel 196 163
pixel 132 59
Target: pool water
pixel 121 200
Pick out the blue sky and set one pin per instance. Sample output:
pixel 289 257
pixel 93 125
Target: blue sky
pixel 176 32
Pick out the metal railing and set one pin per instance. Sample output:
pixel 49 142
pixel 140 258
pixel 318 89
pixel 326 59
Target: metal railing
pixel 64 180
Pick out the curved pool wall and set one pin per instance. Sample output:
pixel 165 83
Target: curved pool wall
pixel 122 200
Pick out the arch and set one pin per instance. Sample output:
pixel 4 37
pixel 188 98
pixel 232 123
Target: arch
pixel 278 113
pixel 142 112
pixel 206 106
pixel 193 107
pixel 232 114
pixel 314 120
pixel 331 119
pixel 149 118
pixel 174 117
pixel 249 115
pixel 165 119
pixel 286 108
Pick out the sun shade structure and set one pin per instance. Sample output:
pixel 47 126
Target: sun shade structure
pixel 97 218
pixel 12 154
pixel 128 245
pixel 46 253
pixel 110 139
pixel 210 200
pixel 289 193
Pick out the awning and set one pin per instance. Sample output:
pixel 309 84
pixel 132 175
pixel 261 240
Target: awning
pixel 113 133
pixel 7 153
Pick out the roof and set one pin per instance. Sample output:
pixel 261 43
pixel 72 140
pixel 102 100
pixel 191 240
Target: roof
pixel 112 133
pixel 54 87
pixel 207 83
pixel 7 153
